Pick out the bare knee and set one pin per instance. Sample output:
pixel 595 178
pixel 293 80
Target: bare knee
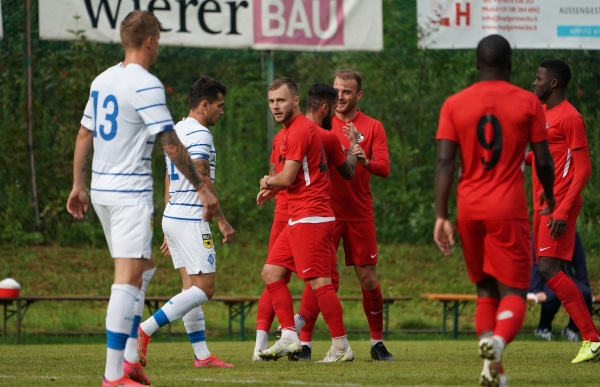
pixel 273 273
pixel 367 275
pixel 548 268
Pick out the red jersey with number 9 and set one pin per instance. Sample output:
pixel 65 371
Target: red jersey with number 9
pixel 492 122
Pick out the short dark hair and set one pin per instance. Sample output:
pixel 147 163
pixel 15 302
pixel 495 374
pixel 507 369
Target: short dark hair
pixel 348 74
pixel 319 94
pixel 494 51
pixel 559 70
pixel 205 88
pixel 136 27
pixel 289 82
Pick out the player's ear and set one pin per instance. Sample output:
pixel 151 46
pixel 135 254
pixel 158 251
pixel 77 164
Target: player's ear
pixel 325 108
pixel 554 83
pixel 359 95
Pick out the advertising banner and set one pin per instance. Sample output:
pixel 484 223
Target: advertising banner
pixel 308 25
pixel 556 24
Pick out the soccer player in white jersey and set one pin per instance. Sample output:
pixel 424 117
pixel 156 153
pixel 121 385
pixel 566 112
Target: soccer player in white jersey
pixel 126 110
pixel 188 238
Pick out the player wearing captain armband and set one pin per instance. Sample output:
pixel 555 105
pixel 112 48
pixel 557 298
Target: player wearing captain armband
pixel 125 112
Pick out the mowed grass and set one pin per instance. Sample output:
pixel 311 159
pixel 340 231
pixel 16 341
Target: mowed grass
pixel 419 363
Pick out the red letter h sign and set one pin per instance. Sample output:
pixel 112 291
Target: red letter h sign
pixel 466 14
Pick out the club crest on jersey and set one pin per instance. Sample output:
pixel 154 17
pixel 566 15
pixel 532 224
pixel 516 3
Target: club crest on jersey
pixel 360 137
pixel 211 259
pixel 207 240
pixel 547 125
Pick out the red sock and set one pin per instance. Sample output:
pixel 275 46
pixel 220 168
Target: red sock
pixel 510 317
pixel 569 294
pixel 265 313
pixel 282 303
pixel 331 309
pixel 485 314
pixel 309 310
pixel 373 307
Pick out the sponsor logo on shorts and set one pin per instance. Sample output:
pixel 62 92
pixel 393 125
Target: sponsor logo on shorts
pixel 377 312
pixel 207 240
pixel 304 271
pixel 211 259
pixel 544 248
pixel 373 255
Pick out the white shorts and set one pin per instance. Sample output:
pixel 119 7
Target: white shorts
pixel 128 229
pixel 191 245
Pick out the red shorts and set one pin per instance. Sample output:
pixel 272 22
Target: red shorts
pixel 561 248
pixel 307 249
pixel 360 241
pixel 276 228
pixel 497 248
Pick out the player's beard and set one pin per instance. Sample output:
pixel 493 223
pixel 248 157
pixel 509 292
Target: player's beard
pixel 326 124
pixel 286 116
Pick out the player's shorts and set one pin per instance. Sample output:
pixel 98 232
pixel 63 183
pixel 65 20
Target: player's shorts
pixel 276 228
pixel 562 247
pixel 306 249
pixel 191 245
pixel 360 241
pixel 128 229
pixel 497 248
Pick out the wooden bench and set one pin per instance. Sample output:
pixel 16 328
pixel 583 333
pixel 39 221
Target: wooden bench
pixel 237 307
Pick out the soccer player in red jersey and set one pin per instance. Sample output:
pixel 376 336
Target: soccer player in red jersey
pixel 352 202
pixel 554 234
pixel 491 122
pixel 305 245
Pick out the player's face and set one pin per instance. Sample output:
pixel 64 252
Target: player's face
pixel 348 94
pixel 542 84
pixel 215 110
pixel 282 104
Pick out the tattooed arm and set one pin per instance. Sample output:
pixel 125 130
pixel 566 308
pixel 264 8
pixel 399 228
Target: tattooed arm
pixel 181 158
pixel 78 202
pixel 347 169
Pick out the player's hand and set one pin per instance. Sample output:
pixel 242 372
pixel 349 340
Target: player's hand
pixel 209 202
pixel 541 297
pixel 351 133
pixel 443 235
pixel 264 195
pixel 356 150
pixel 227 231
pixel 165 248
pixel 557 227
pixel 263 183
pixel 550 204
pixel 77 203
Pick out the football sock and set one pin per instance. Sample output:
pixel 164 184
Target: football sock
pixel 330 307
pixel 289 334
pixel 309 310
pixel 195 326
pixel 485 314
pixel 510 317
pixel 119 319
pixel 265 313
pixel 340 344
pixel 570 296
pixel 299 322
pixel 373 342
pixel 307 343
pixel 174 309
pixel 262 340
pixel 373 307
pixel 283 305
pixel 138 309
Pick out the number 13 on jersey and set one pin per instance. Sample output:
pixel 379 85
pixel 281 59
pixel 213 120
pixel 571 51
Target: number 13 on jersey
pixel 109 117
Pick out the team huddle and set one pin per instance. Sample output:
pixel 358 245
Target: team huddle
pixel 321 164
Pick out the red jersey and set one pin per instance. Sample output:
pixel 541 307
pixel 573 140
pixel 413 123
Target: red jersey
pixel 281 202
pixel 308 195
pixel 566 132
pixel 351 199
pixel 492 122
pixel 333 148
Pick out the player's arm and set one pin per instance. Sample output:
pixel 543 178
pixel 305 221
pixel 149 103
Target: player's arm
pixel 284 178
pixel 181 158
pixel 443 233
pixel 78 202
pixel 348 168
pixel 379 164
pixel 203 168
pixel 544 166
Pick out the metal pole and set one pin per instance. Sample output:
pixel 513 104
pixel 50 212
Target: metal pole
pixel 29 111
pixel 270 122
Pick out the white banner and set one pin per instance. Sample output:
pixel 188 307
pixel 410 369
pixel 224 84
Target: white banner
pixel 556 24
pixel 313 25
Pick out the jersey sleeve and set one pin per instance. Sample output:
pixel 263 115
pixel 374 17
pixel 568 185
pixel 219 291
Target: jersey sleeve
pixel 273 158
pixel 379 164
pixel 333 148
pixel 298 141
pixel 87 121
pixel 200 144
pixel 538 131
pixel 446 129
pixel 574 132
pixel 150 103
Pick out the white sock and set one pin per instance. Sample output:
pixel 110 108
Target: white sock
pixel 289 334
pixel 119 320
pixel 299 322
pixel 195 326
pixel 340 344
pixel 174 309
pixel 373 342
pixel 501 340
pixel 307 343
pixel 138 309
pixel 262 340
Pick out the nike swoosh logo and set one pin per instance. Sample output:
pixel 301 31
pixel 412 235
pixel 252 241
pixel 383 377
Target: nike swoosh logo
pixel 597 348
pixel 304 271
pixel 545 248
pixel 373 256
pixel 377 312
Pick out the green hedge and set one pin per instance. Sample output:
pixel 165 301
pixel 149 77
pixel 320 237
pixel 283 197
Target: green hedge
pixel 404 88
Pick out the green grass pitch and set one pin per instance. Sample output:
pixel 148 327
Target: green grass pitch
pixel 419 363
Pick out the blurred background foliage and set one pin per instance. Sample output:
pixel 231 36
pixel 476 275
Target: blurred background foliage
pixel 403 87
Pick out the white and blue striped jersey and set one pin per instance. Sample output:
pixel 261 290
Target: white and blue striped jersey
pixel 126 109
pixel 184 204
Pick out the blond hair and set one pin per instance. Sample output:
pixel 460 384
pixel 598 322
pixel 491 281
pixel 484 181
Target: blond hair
pixel 347 75
pixel 136 27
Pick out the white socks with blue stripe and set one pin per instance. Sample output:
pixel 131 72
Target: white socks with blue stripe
pixel 138 309
pixel 119 320
pixel 174 309
pixel 195 326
